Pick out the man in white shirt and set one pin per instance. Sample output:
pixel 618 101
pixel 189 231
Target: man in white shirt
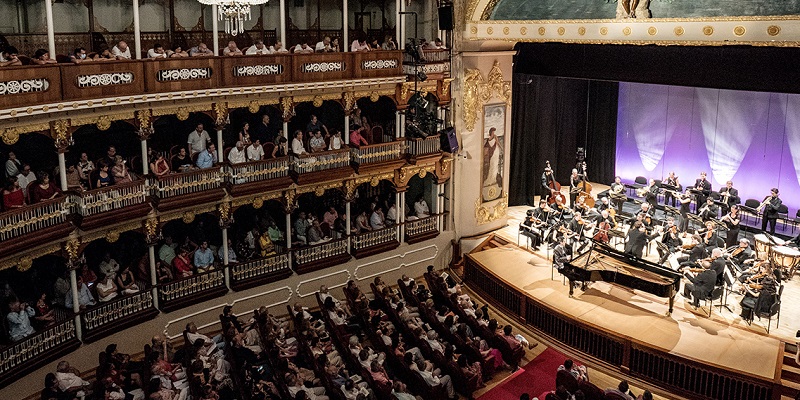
pixel 255 152
pixel 201 50
pixel 121 51
pixel 391 215
pixel 24 178
pixel 433 378
pixel 376 220
pixel 68 378
pixel 297 143
pixel 257 48
pixel 324 46
pixel 211 345
pixel 359 45
pixel 231 49
pixel 19 323
pixel 157 52
pixel 277 48
pixel 237 154
pixel 303 48
pixel 421 208
pixel 109 266
pixel 436 44
pixel 198 140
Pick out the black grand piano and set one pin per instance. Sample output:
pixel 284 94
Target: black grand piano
pixel 603 263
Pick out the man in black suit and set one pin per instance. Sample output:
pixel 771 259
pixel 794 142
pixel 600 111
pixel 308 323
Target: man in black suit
pixel 709 210
pixel 728 197
pixel 718 264
pixel 637 239
pixel 697 252
pixel 773 203
pixel 703 188
pixel 264 132
pixel 700 286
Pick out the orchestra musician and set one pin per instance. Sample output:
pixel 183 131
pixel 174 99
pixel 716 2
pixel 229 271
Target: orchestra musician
pixel 671 180
pixel 605 204
pixel 579 206
pixel 617 194
pixel 645 215
pixel 605 222
pixel 759 296
pixel 756 272
pixel 580 227
pixel 709 235
pixel 770 207
pixel 671 239
pixel 703 188
pixel 742 254
pixel 561 254
pixel 575 180
pixel 731 221
pixel 547 176
pixel 686 201
pixel 728 197
pixel 651 195
pixel 699 286
pixel 709 210
pixel 637 239
pixel 695 252
pixel 532 227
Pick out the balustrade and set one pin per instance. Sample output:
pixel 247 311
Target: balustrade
pixel 321 161
pixel 320 251
pixel 189 182
pixel 376 153
pixel 419 147
pixel 374 238
pixel 34 217
pixel 96 201
pixel 117 312
pixel 37 349
pixel 255 171
pixel 190 289
pixel 421 226
pixel 265 268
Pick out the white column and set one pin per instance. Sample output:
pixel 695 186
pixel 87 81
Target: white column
pixel 402 214
pixel 398 207
pixel 219 145
pixel 347 226
pixel 215 29
pixel 397 27
pixel 137 31
pixel 151 254
pixel 286 131
pixel 345 45
pixel 145 161
pixel 439 206
pixel 401 23
pixel 288 231
pixel 62 170
pixel 401 128
pixel 282 38
pixel 51 36
pixel 73 284
pixel 225 253
pixel 346 132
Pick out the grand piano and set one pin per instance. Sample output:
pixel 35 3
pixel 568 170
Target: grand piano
pixel 603 263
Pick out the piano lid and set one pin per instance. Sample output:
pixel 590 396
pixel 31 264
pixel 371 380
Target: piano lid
pixel 583 259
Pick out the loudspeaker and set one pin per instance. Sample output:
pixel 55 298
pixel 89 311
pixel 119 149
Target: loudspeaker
pixel 448 140
pixel 446 18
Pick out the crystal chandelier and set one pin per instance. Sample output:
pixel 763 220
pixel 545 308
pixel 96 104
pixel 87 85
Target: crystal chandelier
pixel 233 12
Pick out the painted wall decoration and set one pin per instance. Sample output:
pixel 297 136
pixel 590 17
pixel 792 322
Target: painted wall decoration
pixel 640 9
pixel 494 135
pixel 751 138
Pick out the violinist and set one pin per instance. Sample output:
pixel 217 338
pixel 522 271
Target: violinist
pixel 709 235
pixel 671 239
pixel 671 180
pixel 759 296
pixel 533 225
pixel 699 286
pixel 709 210
pixel 581 227
pixel 694 252
pixel 651 195
pixel 731 221
pixel 756 272
pixel 617 194
pixel 742 254
pixel 579 206
pixel 645 215
pixel 637 239
pixel 574 185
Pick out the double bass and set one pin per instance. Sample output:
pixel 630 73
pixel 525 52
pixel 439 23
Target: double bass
pixel 586 187
pixel 555 189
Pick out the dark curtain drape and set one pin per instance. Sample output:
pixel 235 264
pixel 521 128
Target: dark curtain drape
pixel 551 118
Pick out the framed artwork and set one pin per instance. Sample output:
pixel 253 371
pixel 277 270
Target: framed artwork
pixel 494 135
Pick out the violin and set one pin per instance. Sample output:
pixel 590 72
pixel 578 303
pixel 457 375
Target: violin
pixel 555 197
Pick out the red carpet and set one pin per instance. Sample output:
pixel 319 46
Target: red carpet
pixel 538 376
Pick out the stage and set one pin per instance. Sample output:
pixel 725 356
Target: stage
pixel 639 316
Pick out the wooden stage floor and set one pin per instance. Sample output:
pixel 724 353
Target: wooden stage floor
pixel 638 316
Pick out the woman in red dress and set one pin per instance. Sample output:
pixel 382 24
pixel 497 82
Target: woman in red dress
pixel 13 197
pixel 43 189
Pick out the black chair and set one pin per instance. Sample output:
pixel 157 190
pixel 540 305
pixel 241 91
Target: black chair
pixel 795 220
pixel 752 203
pixel 715 295
pixel 774 310
pixel 783 214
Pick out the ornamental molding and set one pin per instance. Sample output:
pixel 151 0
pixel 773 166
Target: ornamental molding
pixel 257 70
pixel 437 68
pixel 183 74
pixel 379 64
pixel 23 86
pixel 182 112
pixel 109 79
pixel 423 88
pixel 333 66
pixel 478 91
pixel 485 213
pixel 11 135
pixel 185 215
pixel 23 261
pixel 103 122
pixel 407 172
pixel 253 105
pixel 260 199
pixel 316 99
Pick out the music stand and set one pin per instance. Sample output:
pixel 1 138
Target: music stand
pixel 693 218
pixel 671 210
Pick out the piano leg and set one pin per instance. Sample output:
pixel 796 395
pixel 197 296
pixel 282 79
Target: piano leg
pixel 671 302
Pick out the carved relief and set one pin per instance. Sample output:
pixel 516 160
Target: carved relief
pixel 24 86
pixel 485 213
pixel 287 107
pixel 478 91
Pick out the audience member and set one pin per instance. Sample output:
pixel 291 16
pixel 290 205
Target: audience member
pixel 203 258
pixel 622 390
pixel 198 140
pixel 421 207
pixel 303 48
pixel 109 266
pixel 201 50
pixel 278 48
pixel 265 132
pixel 78 56
pixel 359 45
pixel 297 143
pixel 120 172
pixel 42 57
pixel 356 139
pixel 159 165
pixel 257 48
pixel 157 52
pixel 43 189
pixel 316 125
pixel 231 49
pixel 104 177
pixel 126 282
pixel 8 57
pixel 208 157
pixel 244 134
pixel 121 51
pixel 255 152
pixel 281 149
pixel 182 264
pixel 389 43
pixel 178 51
pixel 237 155
pixel 25 178
pixel 106 289
pixel 317 143
pixel 19 323
pixel 324 45
pixel 69 380
pixel 13 197
pixel 336 142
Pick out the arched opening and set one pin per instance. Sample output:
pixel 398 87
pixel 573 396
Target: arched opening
pixel 251 224
pixel 94 149
pixel 171 133
pixel 266 126
pixel 419 196
pixel 314 213
pixel 377 117
pixel 371 206
pixel 104 258
pixel 34 149
pixel 330 116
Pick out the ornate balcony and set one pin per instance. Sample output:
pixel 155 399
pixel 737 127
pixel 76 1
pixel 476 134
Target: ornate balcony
pixel 117 314
pixel 258 272
pixel 93 206
pixel 319 256
pixel 187 188
pixel 191 290
pixel 376 155
pixel 36 350
pixel 374 242
pixel 423 148
pixel 335 163
pixel 436 63
pixel 422 229
pixel 258 176
pixel 49 219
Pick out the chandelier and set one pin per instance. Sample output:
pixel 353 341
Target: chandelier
pixel 233 12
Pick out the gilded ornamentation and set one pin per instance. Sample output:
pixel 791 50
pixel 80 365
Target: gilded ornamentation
pixel 485 214
pixel 103 122
pixel 375 181
pixel 581 31
pixel 143 117
pixel 679 31
pixel 739 30
pixel 374 96
pixel 490 30
pixel 349 100
pixel 253 107
pixel 627 31
pixel 182 113
pixel 112 236
pixel 151 229
pixel 221 114
pixel 561 31
pixel 446 164
pixel 319 191
pixel 61 131
pixel 71 247
pixel 350 189
pixel 523 31
pixel 478 91
pixel 473 30
pixel 708 30
pixel 542 30
pixel 446 86
pixel 11 135
pixel 25 263
pixel 773 30
pixel 289 199
pixel 188 217
pixel 317 101
pixel 506 30
pixel 258 203
pixel 604 31
pixel 287 106
pixel 420 171
pixel 652 31
pixel 487 11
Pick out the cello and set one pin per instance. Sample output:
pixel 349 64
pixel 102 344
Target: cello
pixel 555 189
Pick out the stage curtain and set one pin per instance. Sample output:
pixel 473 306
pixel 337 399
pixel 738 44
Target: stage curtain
pixel 550 120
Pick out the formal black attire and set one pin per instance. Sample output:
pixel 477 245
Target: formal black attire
pixel 672 241
pixel 683 225
pixel 771 214
pixel 710 241
pixel 703 186
pixel 621 197
pixel 718 265
pixel 545 180
pixel 574 184
pixel 744 255
pixel 264 133
pixel 531 230
pixel 762 303
pixel 668 196
pixel 700 286
pixel 709 211
pixel 733 198
pixel 695 254
pixel 732 223
pixel 636 241
pixel 651 196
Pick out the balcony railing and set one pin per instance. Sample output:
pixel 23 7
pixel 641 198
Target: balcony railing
pixel 422 226
pixel 374 238
pixel 419 147
pixel 260 268
pixel 321 161
pixel 319 252
pixel 34 217
pixel 256 171
pixel 116 311
pixel 189 182
pixel 376 153
pixel 96 201
pixel 32 347
pixel 435 62
pixel 187 287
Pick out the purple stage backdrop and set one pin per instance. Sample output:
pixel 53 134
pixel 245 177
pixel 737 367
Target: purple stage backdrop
pixel 751 138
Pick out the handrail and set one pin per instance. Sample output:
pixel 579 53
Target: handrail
pixel 428 145
pixel 109 198
pixel 422 225
pixel 320 251
pixel 260 267
pixel 379 152
pixel 116 309
pixel 34 217
pixel 191 284
pixel 189 182
pixel 430 56
pixel 324 160
pixel 30 347
pixel 254 171
pixel 373 238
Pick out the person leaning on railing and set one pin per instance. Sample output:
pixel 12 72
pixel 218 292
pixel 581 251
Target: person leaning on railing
pixel 8 57
pixel 13 196
pixel 42 57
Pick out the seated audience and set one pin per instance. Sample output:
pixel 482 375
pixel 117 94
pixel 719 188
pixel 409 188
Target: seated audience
pixel 278 48
pixel 126 282
pixel 181 162
pixel 436 44
pixel 336 142
pixel 19 323
pixel 356 140
pixel 389 43
pixel 421 207
pixel 207 157
pixel 42 57
pixel 622 390
pixel 182 264
pixel 104 177
pixel 120 172
pixel 121 51
pixel 157 52
pixel 78 56
pixel 324 46
pixel 109 266
pixel 231 253
pixel 203 258
pixel 377 220
pixel 45 315
pixel 237 155
pixel 201 50
pixel 257 48
pixel 297 143
pixel 317 143
pixel 303 48
pixel 255 152
pixel 178 51
pixel 578 371
pixel 13 196
pixel 106 289
pixel 301 225
pixel 231 49
pixel 359 45
pixel 8 57
pixel 362 223
pixel 159 165
pixel 69 380
pixel 281 149
pixel 43 189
